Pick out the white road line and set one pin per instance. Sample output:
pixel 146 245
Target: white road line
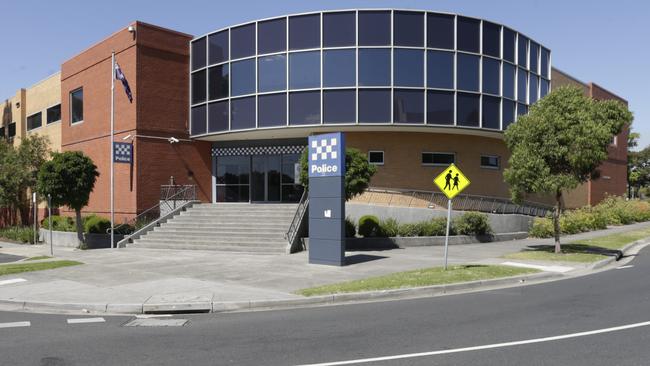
pixel 86 320
pixel 624 267
pixel 559 269
pixel 15 325
pixel 487 346
pixel 147 316
pixel 13 280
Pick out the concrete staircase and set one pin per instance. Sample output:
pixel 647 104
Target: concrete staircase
pixel 246 228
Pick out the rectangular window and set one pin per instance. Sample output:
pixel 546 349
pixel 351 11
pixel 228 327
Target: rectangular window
pixel 218 47
pixel 11 131
pixel 440 31
pixel 218 116
pixel 54 114
pixel 2 133
pixel 304 32
pixel 490 161
pixel 437 158
pixel 198 87
pixel 34 121
pixel 376 157
pixel 77 106
pixel 218 84
pixel 339 29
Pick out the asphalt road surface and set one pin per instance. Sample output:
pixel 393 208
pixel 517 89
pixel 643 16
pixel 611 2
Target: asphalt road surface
pixel 600 319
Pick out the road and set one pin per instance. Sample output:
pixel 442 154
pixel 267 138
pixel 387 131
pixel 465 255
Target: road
pixel 407 332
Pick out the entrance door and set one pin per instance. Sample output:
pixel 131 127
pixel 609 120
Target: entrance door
pixel 266 178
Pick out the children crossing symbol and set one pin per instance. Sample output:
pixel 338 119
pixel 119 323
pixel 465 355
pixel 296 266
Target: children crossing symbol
pixel 451 181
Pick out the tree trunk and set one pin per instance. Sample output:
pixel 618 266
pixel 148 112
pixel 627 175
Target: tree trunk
pixel 556 221
pixel 80 229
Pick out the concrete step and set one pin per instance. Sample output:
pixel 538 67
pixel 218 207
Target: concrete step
pixel 232 235
pixel 215 230
pixel 216 242
pixel 249 250
pixel 228 225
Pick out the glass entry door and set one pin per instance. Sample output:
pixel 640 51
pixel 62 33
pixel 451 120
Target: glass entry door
pixel 266 178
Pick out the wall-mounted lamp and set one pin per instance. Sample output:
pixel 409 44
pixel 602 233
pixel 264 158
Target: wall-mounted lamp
pixel 126 137
pixel 172 140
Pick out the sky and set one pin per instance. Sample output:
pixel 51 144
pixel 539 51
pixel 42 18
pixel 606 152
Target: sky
pixel 605 42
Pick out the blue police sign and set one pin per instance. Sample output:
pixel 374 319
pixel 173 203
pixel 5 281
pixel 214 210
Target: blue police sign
pixel 122 152
pixel 327 155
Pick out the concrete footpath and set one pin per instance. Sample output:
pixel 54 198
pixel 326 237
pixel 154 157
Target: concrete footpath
pixel 133 280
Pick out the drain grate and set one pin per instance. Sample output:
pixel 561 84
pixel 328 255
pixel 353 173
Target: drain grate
pixel 156 322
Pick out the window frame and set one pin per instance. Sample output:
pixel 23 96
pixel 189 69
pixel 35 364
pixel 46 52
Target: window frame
pixel 72 123
pixel 497 167
pixel 382 157
pixel 27 127
pixel 47 122
pixel 434 153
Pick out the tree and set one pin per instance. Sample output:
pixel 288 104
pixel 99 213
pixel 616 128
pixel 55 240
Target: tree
pixel 357 172
pixel 69 178
pixel 560 144
pixel 638 170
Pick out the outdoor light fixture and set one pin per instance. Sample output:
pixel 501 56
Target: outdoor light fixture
pixel 131 29
pixel 172 140
pixel 126 137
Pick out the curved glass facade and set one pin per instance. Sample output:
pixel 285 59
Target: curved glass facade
pixel 382 67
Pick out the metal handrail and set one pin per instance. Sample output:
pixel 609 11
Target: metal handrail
pixel 297 218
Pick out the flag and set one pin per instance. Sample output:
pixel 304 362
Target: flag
pixel 120 76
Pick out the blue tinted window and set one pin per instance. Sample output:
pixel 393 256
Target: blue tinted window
pixel 304 70
pixel 304 108
pixel 491 112
pixel 508 109
pixel 534 49
pixel 272 110
pixel 544 62
pixel 522 85
pixel 408 28
pixel 409 67
pixel 374 106
pixel 242 113
pixel 243 41
pixel 218 116
pixel 272 71
pixel 218 44
pixel 304 32
pixel 509 39
pixel 374 28
pixel 440 107
pixel 440 69
pixel 408 106
pixel 339 106
pixel 522 51
pixel 532 94
pixel 491 75
pixel 199 120
pixel 467 109
pixel 198 87
pixel 339 29
pixel 491 39
pixel 271 36
pixel 339 68
pixel 468 34
pixel 198 54
pixel 543 88
pixel 218 82
pixel 522 109
pixel 374 66
pixel 242 77
pixel 468 71
pixel 440 31
pixel 508 80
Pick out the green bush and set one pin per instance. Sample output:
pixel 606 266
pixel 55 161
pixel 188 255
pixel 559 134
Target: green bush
pixel 23 234
pixel 472 223
pixel 410 229
pixel 96 224
pixel 388 228
pixel 438 227
pixel 350 228
pixel 541 228
pixel 59 223
pixel 369 226
pixel 620 211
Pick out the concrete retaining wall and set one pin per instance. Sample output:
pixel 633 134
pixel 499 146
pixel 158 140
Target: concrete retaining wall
pixel 69 239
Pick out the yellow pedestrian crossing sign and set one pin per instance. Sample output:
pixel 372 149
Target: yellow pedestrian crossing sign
pixel 451 181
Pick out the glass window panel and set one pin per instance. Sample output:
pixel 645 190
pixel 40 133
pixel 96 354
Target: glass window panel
pixel 233 170
pixel 339 106
pixel 509 39
pixel 243 41
pixel 522 85
pixel 409 67
pixel 491 39
pixel 522 51
pixel 408 28
pixel 218 116
pixel 545 58
pixel 488 161
pixel 304 31
pixel 218 79
pixel 543 88
pixel 272 36
pixel 198 87
pixel 218 44
pixel 374 66
pixel 242 113
pixel 521 109
pixel 376 157
pixel 508 80
pixel 508 113
pixel 491 112
pixel 34 121
pixel 374 28
pixel 468 109
pixel 199 54
pixel 468 34
pixel 272 73
pixel 374 106
pixel 304 108
pixel 440 107
pixel 440 69
pixel 199 120
pixel 339 29
pixel 408 106
pixel 440 31
pixel 76 106
pixel 304 70
pixel 339 68
pixel 491 77
pixel 534 54
pixel 53 114
pixel 532 93
pixel 242 77
pixel 468 71
pixel 233 193
pixel 438 158
pixel 272 110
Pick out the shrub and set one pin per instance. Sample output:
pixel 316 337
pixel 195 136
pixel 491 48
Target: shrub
pixel 96 224
pixel 388 228
pixel 59 223
pixel 23 234
pixel 350 228
pixel 541 228
pixel 410 229
pixel 438 227
pixel 369 226
pixel 472 223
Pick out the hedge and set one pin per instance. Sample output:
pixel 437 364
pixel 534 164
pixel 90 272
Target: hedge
pixel 470 223
pixel 23 234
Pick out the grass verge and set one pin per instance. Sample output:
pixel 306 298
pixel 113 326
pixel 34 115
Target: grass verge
pixel 38 258
pixel 419 278
pixel 7 269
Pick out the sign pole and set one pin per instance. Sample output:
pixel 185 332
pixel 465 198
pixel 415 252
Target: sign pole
pixel 49 220
pixel 35 217
pixel 447 231
pixel 112 148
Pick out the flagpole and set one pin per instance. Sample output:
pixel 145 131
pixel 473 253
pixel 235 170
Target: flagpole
pixel 112 149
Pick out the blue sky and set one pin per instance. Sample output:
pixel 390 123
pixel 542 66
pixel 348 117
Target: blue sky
pixel 606 42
